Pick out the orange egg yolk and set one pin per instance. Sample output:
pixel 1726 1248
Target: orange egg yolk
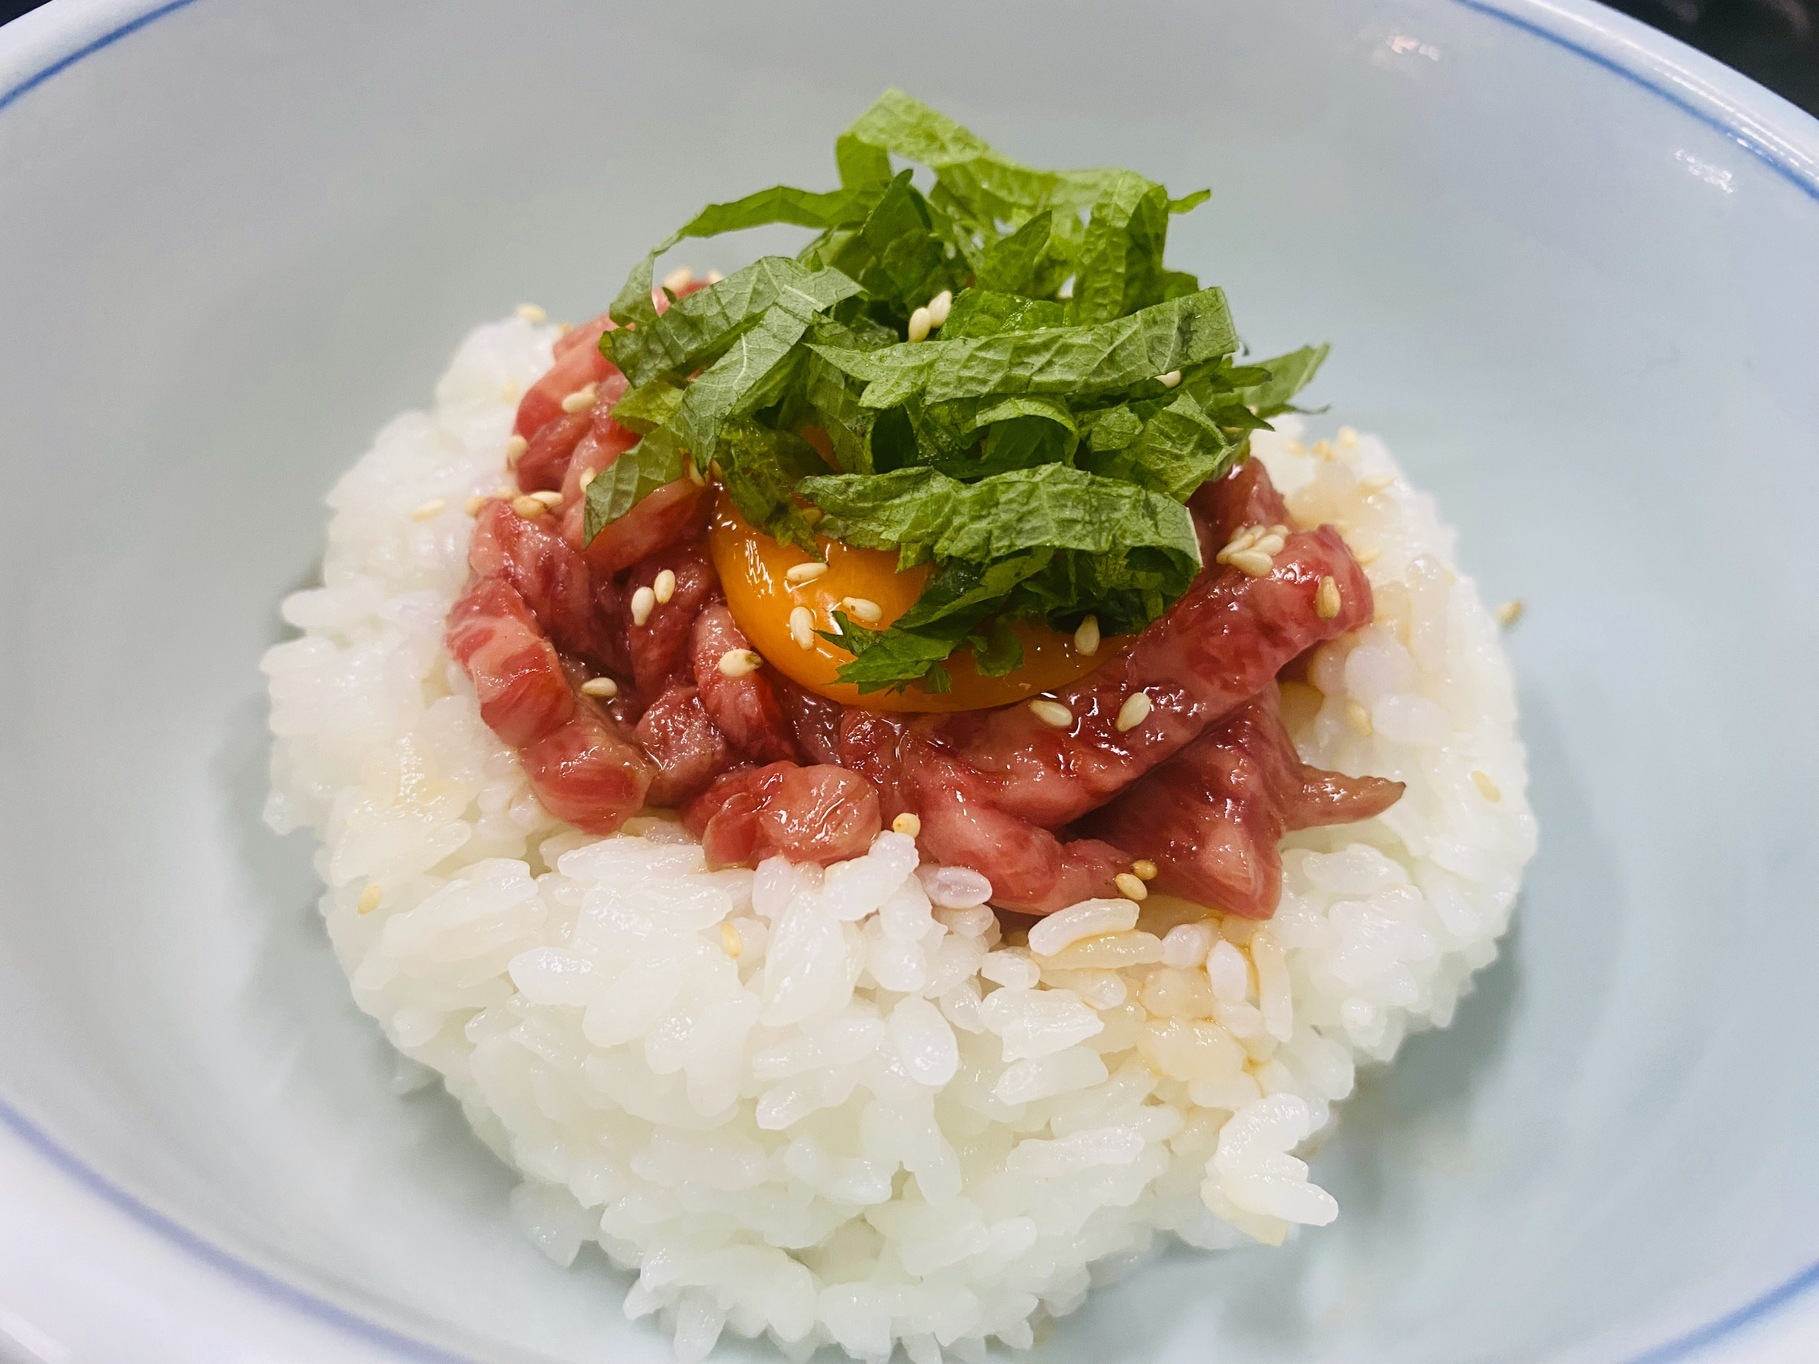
pixel 754 573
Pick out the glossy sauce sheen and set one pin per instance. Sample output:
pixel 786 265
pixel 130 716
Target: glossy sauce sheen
pixel 785 760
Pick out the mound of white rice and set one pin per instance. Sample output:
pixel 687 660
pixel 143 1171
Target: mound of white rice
pixel 835 1106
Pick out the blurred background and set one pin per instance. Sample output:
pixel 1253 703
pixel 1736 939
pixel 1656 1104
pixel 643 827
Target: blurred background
pixel 1774 41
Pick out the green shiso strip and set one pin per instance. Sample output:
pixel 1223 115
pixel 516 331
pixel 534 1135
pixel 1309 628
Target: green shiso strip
pixel 1037 449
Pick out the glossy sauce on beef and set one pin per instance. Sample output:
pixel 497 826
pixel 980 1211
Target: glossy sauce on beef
pixel 1049 807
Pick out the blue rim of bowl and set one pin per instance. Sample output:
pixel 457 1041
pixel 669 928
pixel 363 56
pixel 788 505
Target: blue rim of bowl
pixel 236 1268
pixel 1588 31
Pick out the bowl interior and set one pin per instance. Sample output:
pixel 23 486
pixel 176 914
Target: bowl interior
pixel 236 241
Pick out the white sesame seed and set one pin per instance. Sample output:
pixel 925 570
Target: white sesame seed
pixel 695 475
pixel 1326 600
pixel 740 663
pixel 369 899
pixel 1486 787
pixel 603 687
pixel 509 390
pixel 1051 713
pixel 813 515
pixel 919 324
pixel 1086 637
pixel 1252 563
pixel 1359 718
pixel 863 608
pixel 678 279
pixel 1145 869
pixel 712 277
pixel 531 313
pixel 644 601
pixel 514 451
pixel 549 497
pixel 1323 449
pixel 730 941
pixel 505 492
pixel 907 824
pixel 530 508
pixel 1130 887
pixel 475 503
pixel 1348 437
pixel 1259 542
pixel 1134 711
pixel 1368 556
pixel 1370 487
pixel 664 587
pixel 581 399
pixel 423 511
pixel 587 478
pixel 803 573
pixel 802 627
pixel 1170 379
pixel 940 306
pixel 1510 612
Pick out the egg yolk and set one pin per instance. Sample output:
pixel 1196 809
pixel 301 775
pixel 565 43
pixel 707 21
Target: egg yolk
pixel 754 573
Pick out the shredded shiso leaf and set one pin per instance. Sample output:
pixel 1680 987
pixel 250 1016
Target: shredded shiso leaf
pixel 1037 449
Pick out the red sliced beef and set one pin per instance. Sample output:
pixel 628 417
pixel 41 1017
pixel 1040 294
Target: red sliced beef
pixel 530 588
pixel 871 743
pixel 1327 798
pixel 610 612
pixel 1213 650
pixel 578 363
pixel 659 648
pixel 808 814
pixel 586 335
pixel 671 515
pixel 547 457
pixel 576 442
pixel 551 578
pixel 1211 817
pixel 604 442
pixel 744 708
pixel 588 771
pixel 524 693
pixel 813 720
pixel 1217 647
pixel 682 742
pixel 1029 867
pixel 1244 497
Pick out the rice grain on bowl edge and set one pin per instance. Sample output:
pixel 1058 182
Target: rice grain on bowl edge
pixel 843 1105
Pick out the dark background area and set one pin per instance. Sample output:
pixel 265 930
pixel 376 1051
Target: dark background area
pixel 1774 41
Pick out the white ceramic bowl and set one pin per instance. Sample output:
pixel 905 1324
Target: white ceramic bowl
pixel 1571 271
